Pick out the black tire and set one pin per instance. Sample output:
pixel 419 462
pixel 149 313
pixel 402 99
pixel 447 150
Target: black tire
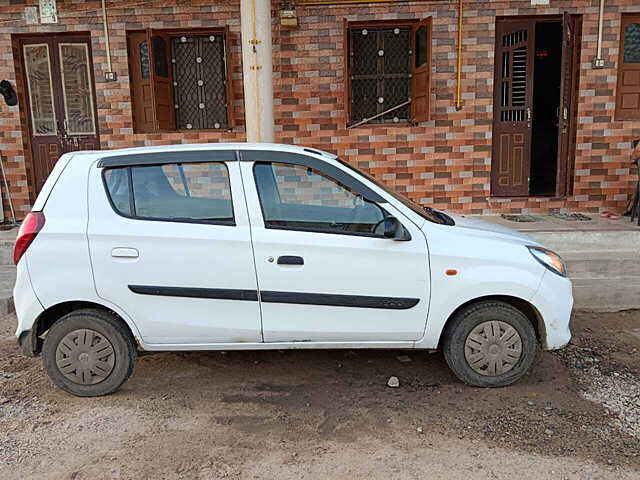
pixel 463 324
pixel 104 327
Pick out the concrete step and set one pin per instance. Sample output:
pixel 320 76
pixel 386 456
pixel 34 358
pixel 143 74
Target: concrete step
pixel 6 252
pixel 607 295
pixel 7 281
pixel 588 240
pixel 602 264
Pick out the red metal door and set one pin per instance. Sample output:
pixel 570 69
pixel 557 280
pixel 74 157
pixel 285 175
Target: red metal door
pixel 512 110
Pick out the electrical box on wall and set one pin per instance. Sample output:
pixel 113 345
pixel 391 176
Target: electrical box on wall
pixel 31 15
pixel 48 11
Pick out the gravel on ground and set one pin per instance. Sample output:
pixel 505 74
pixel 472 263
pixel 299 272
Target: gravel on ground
pixel 321 414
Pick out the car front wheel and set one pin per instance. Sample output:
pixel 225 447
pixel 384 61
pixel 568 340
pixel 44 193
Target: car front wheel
pixel 490 344
pixel 88 353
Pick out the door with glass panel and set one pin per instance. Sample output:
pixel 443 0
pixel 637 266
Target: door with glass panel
pixel 59 99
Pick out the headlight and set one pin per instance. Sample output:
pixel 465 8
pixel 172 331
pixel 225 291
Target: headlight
pixel 549 259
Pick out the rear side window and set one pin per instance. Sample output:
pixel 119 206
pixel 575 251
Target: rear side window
pixel 180 192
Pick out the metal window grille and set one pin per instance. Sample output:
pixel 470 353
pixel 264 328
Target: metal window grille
pixel 199 81
pixel 380 70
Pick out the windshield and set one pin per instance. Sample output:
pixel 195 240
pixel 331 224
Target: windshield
pixel 425 212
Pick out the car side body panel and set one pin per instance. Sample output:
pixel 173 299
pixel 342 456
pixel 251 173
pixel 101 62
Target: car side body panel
pixel 472 254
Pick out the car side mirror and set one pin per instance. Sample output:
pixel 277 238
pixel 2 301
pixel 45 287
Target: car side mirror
pixel 394 230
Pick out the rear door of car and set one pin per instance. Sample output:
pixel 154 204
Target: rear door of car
pixel 170 246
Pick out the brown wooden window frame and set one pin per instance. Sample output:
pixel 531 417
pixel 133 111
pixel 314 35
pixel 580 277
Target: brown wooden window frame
pixel 624 67
pixel 420 75
pixel 153 113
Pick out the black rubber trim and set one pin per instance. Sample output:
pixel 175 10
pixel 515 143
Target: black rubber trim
pixel 321 165
pixel 290 260
pixel 334 300
pixel 28 343
pixel 160 158
pixel 358 301
pixel 190 292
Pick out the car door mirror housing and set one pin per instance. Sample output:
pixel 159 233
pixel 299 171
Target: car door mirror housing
pixel 394 230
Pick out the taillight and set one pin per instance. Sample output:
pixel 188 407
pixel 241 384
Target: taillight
pixel 31 225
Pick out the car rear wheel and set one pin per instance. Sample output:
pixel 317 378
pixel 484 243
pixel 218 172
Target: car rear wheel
pixel 88 353
pixel 490 344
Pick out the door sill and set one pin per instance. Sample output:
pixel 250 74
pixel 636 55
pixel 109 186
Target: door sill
pixel 156 347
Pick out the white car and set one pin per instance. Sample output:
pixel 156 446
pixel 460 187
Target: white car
pixel 259 246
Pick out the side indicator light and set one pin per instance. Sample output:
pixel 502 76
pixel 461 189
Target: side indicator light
pixel 451 272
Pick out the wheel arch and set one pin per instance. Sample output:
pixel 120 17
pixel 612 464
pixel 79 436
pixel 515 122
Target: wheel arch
pixel 528 309
pixel 55 312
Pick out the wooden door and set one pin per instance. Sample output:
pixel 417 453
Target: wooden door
pixel 568 92
pixel 60 100
pixel 421 71
pixel 140 77
pixel 161 78
pixel 513 92
pixel 628 90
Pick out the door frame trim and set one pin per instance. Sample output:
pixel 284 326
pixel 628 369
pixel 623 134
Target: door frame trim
pixel 570 154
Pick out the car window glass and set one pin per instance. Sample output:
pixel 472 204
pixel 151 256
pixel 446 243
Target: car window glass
pixel 198 192
pixel 117 183
pixel 302 198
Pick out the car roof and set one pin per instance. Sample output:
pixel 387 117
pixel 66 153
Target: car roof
pixel 204 146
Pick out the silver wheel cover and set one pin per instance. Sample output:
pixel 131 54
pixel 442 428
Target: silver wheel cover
pixel 85 357
pixel 493 348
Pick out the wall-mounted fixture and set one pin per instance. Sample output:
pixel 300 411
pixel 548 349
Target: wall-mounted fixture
pixel 288 16
pixel 9 94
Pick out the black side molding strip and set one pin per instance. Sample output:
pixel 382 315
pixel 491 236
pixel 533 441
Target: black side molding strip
pixel 360 301
pixel 214 293
pixel 327 299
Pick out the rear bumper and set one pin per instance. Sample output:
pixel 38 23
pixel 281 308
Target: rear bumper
pixel 28 307
pixel 554 301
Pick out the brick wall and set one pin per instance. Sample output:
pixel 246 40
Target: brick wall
pixel 445 163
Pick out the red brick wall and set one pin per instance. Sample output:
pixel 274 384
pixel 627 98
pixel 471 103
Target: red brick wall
pixel 444 163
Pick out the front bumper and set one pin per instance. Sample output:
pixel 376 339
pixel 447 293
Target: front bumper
pixel 28 344
pixel 554 301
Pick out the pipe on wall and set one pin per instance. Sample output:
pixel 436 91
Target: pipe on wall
pixel 106 35
pixel 459 57
pixel 311 3
pixel 257 69
pixel 600 27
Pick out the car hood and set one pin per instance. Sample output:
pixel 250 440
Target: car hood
pixel 488 229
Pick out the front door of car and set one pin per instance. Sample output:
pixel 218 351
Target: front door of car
pixel 170 246
pixel 326 272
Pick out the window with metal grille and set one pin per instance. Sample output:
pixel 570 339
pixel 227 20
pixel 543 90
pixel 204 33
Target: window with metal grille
pixel 180 80
pixel 198 82
pixel 380 61
pixel 388 64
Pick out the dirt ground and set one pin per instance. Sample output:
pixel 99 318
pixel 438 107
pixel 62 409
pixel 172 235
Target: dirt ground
pixel 330 414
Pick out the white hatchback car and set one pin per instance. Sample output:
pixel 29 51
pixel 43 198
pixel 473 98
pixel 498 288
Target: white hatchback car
pixel 258 246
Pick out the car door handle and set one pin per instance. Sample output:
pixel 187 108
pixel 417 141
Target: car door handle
pixel 290 260
pixel 124 253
